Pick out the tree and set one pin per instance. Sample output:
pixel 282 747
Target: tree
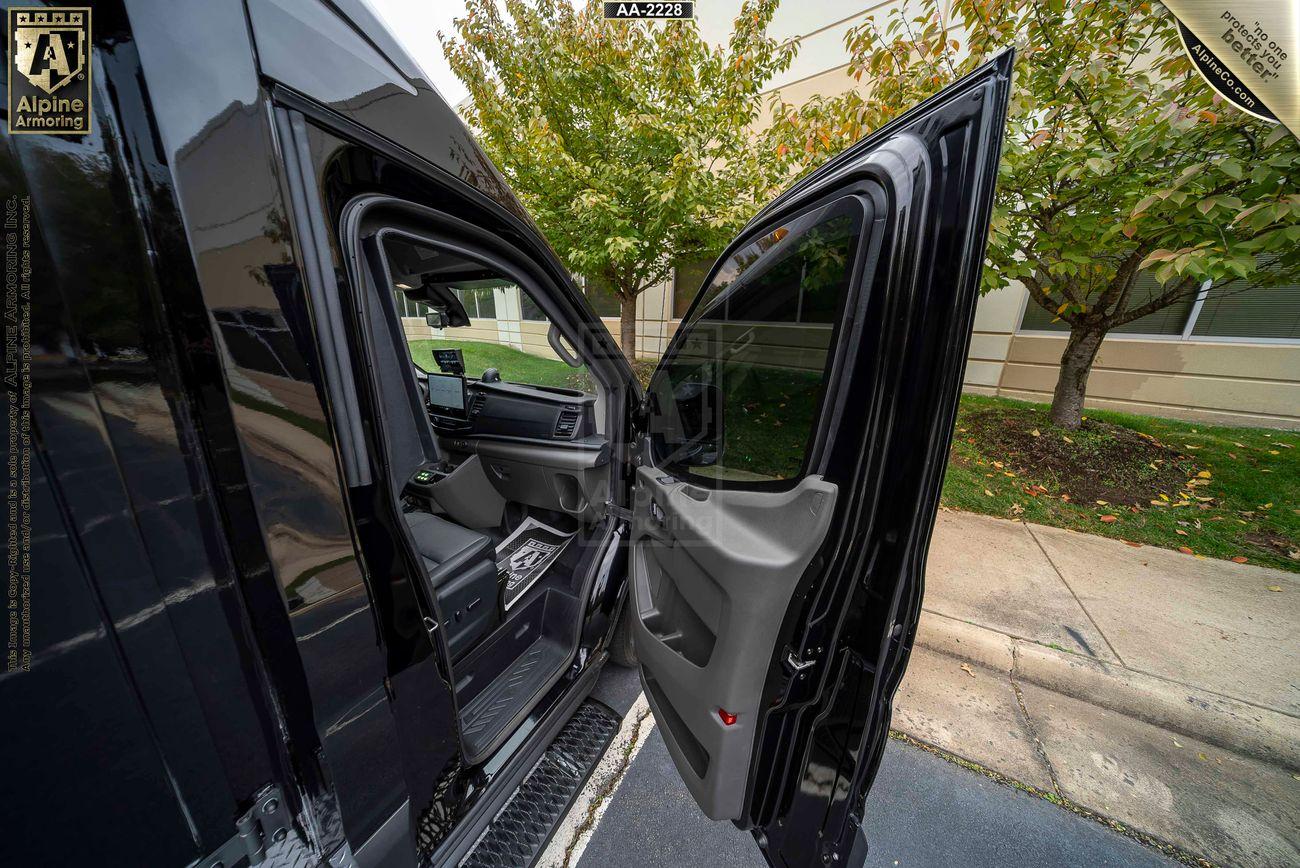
pixel 1118 158
pixel 628 141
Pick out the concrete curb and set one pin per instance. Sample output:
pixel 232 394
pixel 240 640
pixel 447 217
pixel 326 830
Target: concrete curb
pixel 1227 723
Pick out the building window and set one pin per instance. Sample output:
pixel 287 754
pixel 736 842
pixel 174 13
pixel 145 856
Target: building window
pixel 408 307
pixel 1170 320
pixel 1234 311
pixel 528 309
pixel 478 298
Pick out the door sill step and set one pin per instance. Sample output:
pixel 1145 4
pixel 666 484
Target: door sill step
pixel 484 719
pixel 521 830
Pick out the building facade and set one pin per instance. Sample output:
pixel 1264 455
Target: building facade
pixel 1232 357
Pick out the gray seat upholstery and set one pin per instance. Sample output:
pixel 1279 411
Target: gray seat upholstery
pixel 462 577
pixel 445 547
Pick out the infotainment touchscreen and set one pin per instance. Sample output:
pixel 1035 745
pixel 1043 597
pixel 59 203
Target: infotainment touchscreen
pixel 447 395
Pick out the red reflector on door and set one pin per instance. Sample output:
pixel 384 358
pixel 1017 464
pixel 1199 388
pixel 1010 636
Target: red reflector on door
pixel 727 717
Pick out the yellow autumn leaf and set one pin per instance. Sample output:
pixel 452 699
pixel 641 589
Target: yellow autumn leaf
pixel 1204 474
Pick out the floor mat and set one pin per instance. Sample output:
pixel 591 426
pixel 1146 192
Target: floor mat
pixel 525 555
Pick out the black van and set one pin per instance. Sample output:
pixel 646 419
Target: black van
pixel 308 564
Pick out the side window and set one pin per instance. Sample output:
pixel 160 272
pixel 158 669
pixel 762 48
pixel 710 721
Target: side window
pixel 739 397
pixel 506 330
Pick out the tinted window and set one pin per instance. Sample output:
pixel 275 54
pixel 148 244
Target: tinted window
pixel 757 347
pixel 1238 310
pixel 1168 320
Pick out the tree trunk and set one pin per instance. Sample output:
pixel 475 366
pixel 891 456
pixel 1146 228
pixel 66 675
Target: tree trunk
pixel 1072 383
pixel 627 326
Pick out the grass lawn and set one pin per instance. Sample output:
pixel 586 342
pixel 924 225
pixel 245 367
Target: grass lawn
pixel 515 365
pixel 1128 477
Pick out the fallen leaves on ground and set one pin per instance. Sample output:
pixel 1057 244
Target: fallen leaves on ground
pixel 1185 550
pixel 965 667
pixel 1239 559
pixel 1277 589
pixel 1108 518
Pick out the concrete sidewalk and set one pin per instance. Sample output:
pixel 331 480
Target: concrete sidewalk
pixel 1156 689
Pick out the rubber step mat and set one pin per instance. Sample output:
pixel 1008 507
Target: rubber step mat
pixel 482 719
pixel 521 830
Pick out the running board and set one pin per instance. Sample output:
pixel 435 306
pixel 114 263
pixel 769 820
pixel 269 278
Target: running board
pixel 521 830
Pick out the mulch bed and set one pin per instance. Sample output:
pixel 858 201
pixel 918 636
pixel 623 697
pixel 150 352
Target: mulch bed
pixel 1098 462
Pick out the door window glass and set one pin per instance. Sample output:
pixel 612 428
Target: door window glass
pixel 739 398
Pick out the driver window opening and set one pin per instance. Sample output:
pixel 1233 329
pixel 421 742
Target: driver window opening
pixel 506 329
pixel 502 480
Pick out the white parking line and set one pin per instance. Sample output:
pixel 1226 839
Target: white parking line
pixel 577 827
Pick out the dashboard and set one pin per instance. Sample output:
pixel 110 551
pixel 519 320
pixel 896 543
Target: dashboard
pixel 536 445
pixel 514 410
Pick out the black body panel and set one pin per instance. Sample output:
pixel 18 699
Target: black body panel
pixel 884 440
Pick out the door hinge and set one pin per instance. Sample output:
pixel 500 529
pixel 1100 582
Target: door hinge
pixel 267 822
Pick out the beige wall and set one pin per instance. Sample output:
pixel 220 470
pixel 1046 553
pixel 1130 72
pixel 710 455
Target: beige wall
pixel 1221 382
pixel 1224 383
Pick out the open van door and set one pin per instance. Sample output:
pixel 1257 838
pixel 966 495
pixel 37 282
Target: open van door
pixel 788 475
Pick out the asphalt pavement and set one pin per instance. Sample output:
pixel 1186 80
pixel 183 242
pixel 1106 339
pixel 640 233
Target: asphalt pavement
pixel 922 811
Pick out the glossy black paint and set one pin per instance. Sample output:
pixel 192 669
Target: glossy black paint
pixel 205 624
pixel 884 440
pixel 145 706
pixel 208 622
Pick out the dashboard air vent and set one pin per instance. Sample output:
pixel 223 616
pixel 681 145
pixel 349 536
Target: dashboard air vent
pixel 567 423
pixel 475 405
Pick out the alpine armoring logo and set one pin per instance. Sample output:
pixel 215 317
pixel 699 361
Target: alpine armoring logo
pixel 49 71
